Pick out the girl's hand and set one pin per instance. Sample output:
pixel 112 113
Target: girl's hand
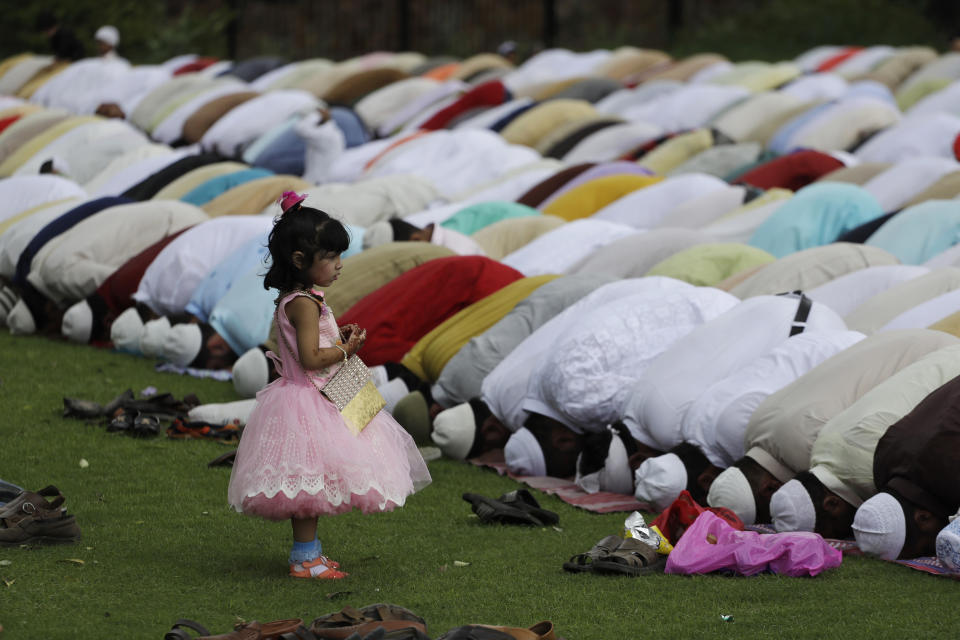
pixel 354 342
pixel 347 330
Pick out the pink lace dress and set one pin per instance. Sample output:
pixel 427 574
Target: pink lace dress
pixel 297 458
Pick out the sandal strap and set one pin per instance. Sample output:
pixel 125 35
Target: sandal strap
pixel 176 633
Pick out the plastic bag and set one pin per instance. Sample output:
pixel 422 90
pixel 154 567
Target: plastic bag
pixel 683 512
pixel 711 544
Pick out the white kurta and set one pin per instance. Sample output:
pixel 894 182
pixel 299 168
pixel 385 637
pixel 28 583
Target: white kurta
pixel 584 380
pixel 717 420
pixel 846 293
pixel 71 266
pixel 558 250
pixel 504 389
pixel 659 400
pixel 173 276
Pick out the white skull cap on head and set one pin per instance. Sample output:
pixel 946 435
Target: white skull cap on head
pixel 250 373
pixel 153 336
pixel 792 509
pixel 126 330
pixel 523 454
pixel 454 431
pixel 731 489
pixel 20 320
pixel 659 480
pixel 77 325
pixel 880 527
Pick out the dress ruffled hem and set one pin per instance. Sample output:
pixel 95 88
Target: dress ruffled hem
pixel 305 505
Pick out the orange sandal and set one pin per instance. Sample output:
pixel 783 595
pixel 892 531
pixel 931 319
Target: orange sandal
pixel 316 568
pixel 330 562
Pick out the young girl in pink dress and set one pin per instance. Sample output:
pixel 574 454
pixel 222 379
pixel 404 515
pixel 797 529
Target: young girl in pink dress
pixel 297 459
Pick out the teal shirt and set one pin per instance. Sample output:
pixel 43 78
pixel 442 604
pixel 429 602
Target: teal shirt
pixel 920 232
pixel 816 215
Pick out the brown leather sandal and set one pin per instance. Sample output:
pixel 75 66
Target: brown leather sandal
pixel 631 558
pixel 347 621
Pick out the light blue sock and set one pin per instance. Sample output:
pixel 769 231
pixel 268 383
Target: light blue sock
pixel 302 551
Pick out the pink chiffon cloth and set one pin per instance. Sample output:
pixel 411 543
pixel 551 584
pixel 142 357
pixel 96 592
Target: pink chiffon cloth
pixel 297 457
pixel 747 553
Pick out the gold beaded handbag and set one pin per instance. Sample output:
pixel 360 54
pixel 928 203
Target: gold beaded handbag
pixel 351 389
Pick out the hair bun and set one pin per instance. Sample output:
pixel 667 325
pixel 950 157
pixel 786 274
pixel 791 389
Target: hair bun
pixel 288 199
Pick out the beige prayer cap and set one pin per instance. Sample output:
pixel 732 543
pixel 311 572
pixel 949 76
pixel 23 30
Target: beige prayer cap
pixel 20 320
pixel 250 373
pixel 880 527
pixel 77 325
pixel 125 331
pixel 454 431
pixel 731 489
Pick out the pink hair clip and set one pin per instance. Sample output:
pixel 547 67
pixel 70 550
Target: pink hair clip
pixel 290 198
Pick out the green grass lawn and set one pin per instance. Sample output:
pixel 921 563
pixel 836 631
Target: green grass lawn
pixel 160 543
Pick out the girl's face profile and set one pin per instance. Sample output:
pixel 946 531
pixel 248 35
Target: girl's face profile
pixel 324 269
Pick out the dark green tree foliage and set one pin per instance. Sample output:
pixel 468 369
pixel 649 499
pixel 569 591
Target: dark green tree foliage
pixel 150 32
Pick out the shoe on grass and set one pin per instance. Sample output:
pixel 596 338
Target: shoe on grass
pixel 315 569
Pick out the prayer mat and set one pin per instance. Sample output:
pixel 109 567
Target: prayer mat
pixel 931 565
pixel 217 374
pixel 564 488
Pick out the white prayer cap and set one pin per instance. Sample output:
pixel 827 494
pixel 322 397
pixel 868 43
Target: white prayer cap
pixel 220 413
pixel 108 34
pixel 152 337
pixel 376 234
pixel 20 320
pixel 524 455
pixel 457 242
pixel 125 331
pixel 454 431
pixel 615 474
pixel 948 545
pixel 182 344
pixel 77 323
pixel 8 298
pixel 660 480
pixel 379 375
pixel 731 489
pixel 880 527
pixel 792 509
pixel 250 373
pixel 393 391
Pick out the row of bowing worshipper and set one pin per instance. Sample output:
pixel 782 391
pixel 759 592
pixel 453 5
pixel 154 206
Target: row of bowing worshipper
pixel 645 274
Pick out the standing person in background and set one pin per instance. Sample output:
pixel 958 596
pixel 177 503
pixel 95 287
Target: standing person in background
pixel 107 38
pixel 63 43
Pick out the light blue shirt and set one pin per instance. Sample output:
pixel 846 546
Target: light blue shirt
pixel 920 232
pixel 815 216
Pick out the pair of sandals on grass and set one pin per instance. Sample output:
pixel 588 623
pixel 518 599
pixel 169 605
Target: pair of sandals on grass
pixel 373 622
pixel 614 555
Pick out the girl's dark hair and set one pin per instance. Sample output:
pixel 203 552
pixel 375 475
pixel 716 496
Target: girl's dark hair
pixel 303 229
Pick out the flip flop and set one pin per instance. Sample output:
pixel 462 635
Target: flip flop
pixel 631 558
pixel 524 500
pixel 493 511
pixel 585 561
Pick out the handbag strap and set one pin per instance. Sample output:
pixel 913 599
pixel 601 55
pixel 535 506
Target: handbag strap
pixel 286 343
